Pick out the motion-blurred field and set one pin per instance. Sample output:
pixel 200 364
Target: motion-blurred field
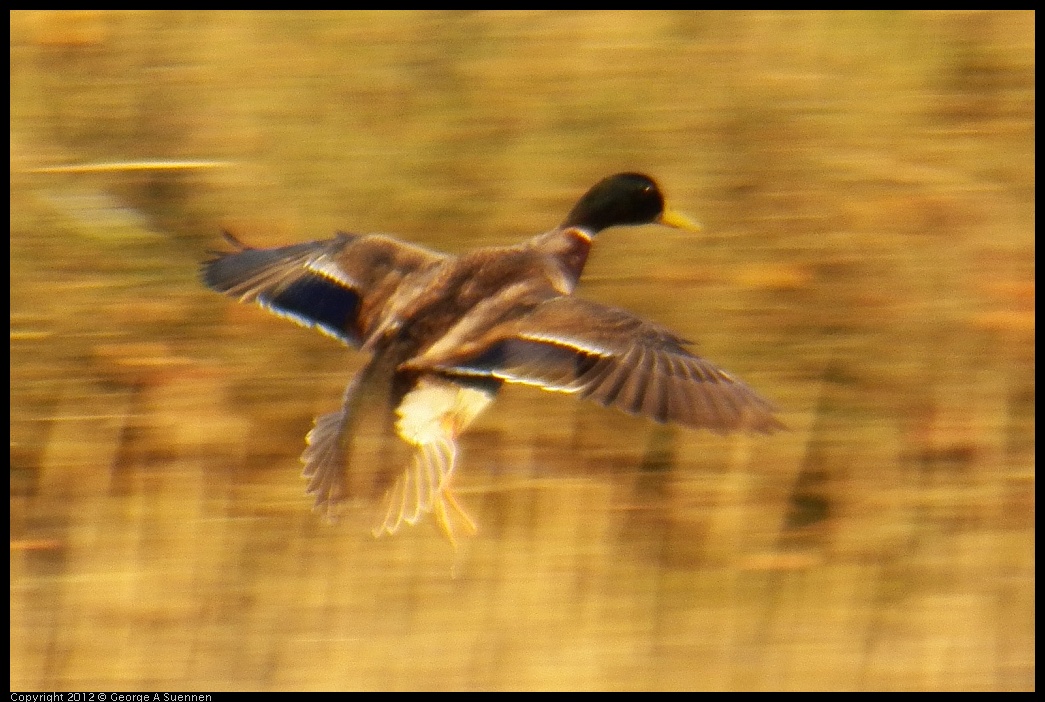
pixel 866 181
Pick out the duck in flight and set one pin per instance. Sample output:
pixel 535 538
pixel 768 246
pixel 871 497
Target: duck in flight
pixel 445 332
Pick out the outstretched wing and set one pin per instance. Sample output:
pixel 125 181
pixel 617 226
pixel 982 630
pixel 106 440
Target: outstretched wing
pixel 321 284
pixel 568 344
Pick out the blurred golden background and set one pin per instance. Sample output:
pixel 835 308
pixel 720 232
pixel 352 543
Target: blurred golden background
pixel 866 180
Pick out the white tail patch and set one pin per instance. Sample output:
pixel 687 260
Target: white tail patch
pixel 431 417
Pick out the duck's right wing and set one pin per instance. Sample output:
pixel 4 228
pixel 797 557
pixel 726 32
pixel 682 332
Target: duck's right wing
pixel 612 357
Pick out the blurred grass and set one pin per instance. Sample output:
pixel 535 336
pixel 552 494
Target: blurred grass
pixel 867 184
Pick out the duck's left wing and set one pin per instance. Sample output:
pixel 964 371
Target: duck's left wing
pixel 610 356
pixel 321 284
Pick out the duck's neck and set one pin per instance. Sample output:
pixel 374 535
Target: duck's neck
pixel 569 247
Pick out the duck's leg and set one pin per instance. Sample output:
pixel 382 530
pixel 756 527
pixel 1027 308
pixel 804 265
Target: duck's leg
pixel 443 520
pixel 448 498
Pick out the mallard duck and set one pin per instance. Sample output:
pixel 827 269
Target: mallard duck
pixel 446 332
